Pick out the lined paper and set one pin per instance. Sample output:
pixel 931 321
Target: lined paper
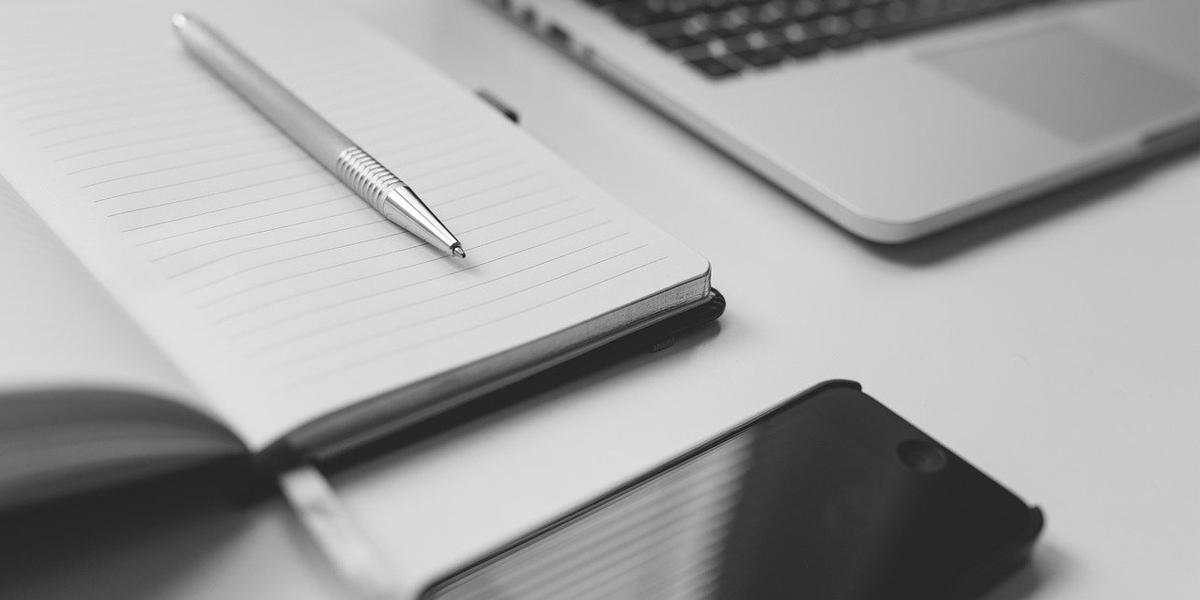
pixel 60 329
pixel 277 289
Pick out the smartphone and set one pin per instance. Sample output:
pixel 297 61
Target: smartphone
pixel 828 496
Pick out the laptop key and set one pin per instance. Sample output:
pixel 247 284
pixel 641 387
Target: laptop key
pixel 761 33
pixel 713 67
pixel 683 8
pixel 694 26
pixel 756 49
pixel 866 18
pixel 840 6
pixel 638 14
pixel 841 42
pixel 679 42
pixel 907 16
pixel 795 40
pixel 735 21
pixel 771 14
pixel 834 25
pixel 806 9
pixel 766 57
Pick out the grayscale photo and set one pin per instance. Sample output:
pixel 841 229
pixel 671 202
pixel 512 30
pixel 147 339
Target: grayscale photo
pixel 599 299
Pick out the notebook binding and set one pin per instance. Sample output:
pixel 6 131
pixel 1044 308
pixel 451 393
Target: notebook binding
pixel 369 179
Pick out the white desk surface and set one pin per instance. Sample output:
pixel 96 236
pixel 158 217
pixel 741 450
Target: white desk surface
pixel 1056 346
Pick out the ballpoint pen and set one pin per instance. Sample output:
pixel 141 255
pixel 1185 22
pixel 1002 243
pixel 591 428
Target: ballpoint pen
pixel 385 192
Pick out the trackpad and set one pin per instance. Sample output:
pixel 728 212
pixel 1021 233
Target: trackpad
pixel 1072 83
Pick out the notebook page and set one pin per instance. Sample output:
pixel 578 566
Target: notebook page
pixel 279 291
pixel 60 329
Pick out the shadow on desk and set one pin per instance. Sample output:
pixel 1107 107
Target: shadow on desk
pixel 1031 581
pixel 128 542
pixel 995 226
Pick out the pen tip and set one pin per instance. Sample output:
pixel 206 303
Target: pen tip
pixel 459 252
pixel 180 20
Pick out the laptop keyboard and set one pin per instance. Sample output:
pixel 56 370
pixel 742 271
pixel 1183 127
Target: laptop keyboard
pixel 722 38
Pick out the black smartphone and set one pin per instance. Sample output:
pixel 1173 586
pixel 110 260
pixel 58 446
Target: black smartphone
pixel 828 496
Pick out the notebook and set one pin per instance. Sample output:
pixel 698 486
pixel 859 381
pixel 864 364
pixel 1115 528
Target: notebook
pixel 183 284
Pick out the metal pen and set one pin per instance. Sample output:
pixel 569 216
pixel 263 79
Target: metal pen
pixel 385 192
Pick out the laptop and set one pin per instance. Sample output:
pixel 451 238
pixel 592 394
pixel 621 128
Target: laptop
pixel 898 118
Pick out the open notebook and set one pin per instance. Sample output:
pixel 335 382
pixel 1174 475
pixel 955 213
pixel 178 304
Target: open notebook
pixel 182 283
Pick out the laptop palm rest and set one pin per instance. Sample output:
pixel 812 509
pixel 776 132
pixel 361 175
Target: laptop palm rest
pixel 1076 85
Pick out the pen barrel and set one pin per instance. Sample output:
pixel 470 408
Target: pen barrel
pixel 291 115
pixel 373 182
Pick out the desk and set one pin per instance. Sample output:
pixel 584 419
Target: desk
pixel 1056 346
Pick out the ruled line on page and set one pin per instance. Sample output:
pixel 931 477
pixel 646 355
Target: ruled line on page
pixel 89 66
pixel 208 115
pixel 488 152
pixel 171 137
pixel 259 327
pixel 238 188
pixel 473 172
pixel 342 369
pixel 207 177
pixel 361 317
pixel 114 61
pixel 238 171
pixel 231 255
pixel 258 232
pixel 396 233
pixel 312 179
pixel 358 278
pixel 194 97
pixel 38 55
pixel 217 114
pixel 86 85
pixel 19 30
pixel 394 135
pixel 296 257
pixel 243 220
pixel 224 143
pixel 268 283
pixel 496 200
pixel 145 121
pixel 384 355
pixel 275 145
pixel 35 70
pixel 108 75
pixel 490 205
pixel 238 206
pixel 363 106
pixel 388 332
pixel 274 148
pixel 475 245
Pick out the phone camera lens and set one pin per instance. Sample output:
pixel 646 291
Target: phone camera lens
pixel 921 456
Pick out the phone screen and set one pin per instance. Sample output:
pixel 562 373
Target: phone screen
pixel 817 499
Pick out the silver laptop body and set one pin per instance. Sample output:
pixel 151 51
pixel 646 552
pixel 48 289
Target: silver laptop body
pixel 897 137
